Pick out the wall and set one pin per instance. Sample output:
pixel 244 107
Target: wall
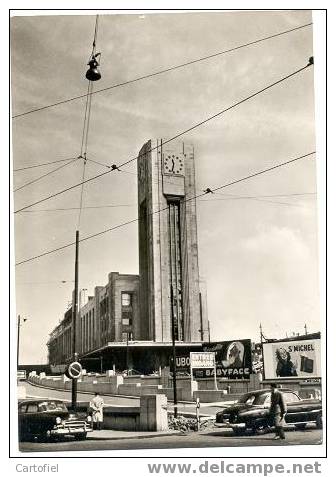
pixel 150 415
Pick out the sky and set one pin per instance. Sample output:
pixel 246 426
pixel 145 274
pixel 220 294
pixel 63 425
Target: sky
pixel 259 255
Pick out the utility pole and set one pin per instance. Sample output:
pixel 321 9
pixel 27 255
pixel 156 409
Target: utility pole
pixel 127 357
pixel 18 339
pixel 174 350
pixel 201 316
pixel 261 333
pixel 74 331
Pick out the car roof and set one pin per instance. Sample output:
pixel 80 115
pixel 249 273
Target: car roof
pixel 268 390
pixel 39 400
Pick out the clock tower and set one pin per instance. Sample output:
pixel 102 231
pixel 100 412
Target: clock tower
pixel 168 250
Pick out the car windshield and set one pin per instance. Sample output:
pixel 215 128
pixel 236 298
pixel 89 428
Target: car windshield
pixel 247 399
pixel 52 406
pixel 256 399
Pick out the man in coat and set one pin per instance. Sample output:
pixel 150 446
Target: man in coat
pixel 96 407
pixel 278 411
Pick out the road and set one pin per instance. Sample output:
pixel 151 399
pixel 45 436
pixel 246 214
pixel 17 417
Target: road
pixel 211 437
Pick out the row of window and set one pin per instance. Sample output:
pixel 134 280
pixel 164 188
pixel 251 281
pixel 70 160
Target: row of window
pixel 62 344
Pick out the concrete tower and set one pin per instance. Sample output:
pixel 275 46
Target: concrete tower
pixel 168 250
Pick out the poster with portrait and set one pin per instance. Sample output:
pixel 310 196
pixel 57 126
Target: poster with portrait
pixel 292 359
pixel 233 359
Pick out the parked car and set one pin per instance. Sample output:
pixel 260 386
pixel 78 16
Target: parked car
pixel 48 418
pixel 251 412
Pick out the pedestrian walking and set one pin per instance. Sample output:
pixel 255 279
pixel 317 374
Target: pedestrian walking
pixel 278 411
pixel 96 407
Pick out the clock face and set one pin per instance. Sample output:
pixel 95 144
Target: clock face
pixel 173 164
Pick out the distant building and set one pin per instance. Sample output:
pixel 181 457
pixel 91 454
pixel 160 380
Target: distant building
pixel 112 314
pixel 60 344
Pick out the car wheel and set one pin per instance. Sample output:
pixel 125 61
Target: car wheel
pixel 300 427
pixel 319 423
pixel 260 429
pixel 80 437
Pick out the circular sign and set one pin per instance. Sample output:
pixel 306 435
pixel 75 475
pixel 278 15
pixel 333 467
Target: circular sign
pixel 75 370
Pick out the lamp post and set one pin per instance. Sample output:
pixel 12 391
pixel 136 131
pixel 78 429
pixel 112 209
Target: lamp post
pixel 174 350
pixel 201 316
pixel 127 357
pixel 18 339
pixel 74 324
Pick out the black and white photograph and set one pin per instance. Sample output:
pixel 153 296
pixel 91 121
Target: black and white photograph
pixel 166 232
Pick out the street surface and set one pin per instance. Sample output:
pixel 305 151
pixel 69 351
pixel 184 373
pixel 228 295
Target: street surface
pixel 211 438
pixel 117 440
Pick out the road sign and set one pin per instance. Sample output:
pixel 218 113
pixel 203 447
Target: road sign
pixel 202 360
pixel 74 370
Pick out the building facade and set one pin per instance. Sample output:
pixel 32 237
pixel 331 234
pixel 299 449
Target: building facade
pixel 110 315
pixel 60 340
pixel 168 249
pixel 168 295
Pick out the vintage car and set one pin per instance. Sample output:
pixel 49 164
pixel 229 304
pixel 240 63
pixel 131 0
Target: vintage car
pixel 251 412
pixel 50 418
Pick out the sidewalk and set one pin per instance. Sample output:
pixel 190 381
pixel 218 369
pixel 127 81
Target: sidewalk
pixel 111 434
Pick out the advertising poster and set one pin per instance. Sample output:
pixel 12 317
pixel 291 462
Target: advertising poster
pixel 233 359
pixel 292 359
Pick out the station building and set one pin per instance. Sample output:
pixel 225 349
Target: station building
pixel 110 315
pixel 130 321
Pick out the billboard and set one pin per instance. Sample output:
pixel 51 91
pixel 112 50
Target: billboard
pixel 292 359
pixel 233 359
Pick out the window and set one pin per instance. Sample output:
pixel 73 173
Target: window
pixel 52 406
pixel 32 408
pixel 247 399
pixel 126 318
pixel 126 299
pixel 291 397
pixel 22 409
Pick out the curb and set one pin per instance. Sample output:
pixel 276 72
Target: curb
pixel 166 434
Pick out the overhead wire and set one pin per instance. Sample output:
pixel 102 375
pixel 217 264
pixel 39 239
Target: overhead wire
pixel 45 175
pixel 247 98
pixel 166 70
pixel 228 184
pixel 229 198
pixel 258 199
pixel 86 125
pixel 43 164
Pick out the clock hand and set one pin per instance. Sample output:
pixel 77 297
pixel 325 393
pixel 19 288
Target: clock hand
pixel 173 162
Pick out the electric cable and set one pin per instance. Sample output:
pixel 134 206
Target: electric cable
pixel 259 199
pixel 45 175
pixel 99 163
pixel 231 197
pixel 172 68
pixel 171 139
pixel 228 184
pixel 86 124
pixel 43 164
